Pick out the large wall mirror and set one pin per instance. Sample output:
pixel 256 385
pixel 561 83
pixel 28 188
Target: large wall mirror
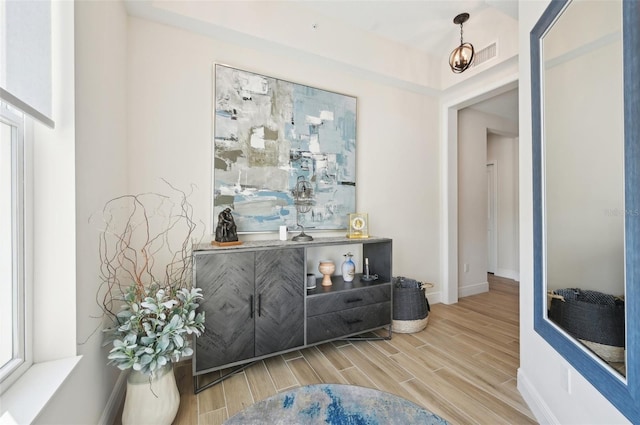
pixel 586 164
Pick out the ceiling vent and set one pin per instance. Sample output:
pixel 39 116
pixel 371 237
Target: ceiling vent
pixel 485 54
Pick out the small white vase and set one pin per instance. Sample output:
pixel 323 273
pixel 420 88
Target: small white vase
pixel 151 400
pixel 348 268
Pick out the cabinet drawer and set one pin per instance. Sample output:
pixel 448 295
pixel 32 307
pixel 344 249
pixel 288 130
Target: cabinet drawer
pixel 347 322
pixel 329 303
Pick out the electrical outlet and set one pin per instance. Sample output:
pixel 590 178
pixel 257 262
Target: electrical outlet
pixel 466 267
pixel 565 379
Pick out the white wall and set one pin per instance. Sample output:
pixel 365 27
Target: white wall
pixel 473 127
pixel 100 173
pixel 503 152
pixel 170 92
pixel 542 377
pixel 53 206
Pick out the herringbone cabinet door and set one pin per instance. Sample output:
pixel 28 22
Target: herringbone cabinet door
pixel 227 282
pixel 280 286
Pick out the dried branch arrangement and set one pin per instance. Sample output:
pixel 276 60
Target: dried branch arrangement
pixel 146 275
pixel 146 240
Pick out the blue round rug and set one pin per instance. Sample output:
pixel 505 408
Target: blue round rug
pixel 335 405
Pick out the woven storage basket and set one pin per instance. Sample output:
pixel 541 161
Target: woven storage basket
pixel 410 306
pixel 594 318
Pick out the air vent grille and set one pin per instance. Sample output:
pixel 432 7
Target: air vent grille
pixel 483 55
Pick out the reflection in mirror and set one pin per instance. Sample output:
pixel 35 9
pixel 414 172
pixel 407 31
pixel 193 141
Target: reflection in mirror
pixel 583 176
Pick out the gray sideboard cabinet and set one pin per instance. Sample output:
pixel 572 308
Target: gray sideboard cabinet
pixel 256 302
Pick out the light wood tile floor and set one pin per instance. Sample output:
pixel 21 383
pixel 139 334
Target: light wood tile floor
pixel 461 367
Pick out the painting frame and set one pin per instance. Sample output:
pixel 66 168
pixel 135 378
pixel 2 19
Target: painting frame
pixel 268 135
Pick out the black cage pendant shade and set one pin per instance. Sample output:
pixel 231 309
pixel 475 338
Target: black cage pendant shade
pixel 462 56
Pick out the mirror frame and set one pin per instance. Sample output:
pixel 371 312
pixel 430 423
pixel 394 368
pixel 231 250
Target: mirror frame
pixel 623 393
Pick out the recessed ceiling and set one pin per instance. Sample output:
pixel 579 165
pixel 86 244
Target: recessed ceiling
pixel 425 25
pixel 413 38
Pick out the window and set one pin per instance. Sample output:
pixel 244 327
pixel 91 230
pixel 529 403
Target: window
pixel 14 354
pixel 25 57
pixel 25 96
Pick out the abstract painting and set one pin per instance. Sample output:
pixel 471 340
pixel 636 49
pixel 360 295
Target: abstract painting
pixel 270 134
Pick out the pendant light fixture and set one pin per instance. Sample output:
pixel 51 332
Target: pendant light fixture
pixel 462 56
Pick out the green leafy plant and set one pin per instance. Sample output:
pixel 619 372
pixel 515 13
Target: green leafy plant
pixel 151 333
pixel 146 292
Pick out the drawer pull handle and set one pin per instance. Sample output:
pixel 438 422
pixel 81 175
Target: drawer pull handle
pixel 251 305
pixel 353 300
pixel 260 305
pixel 352 321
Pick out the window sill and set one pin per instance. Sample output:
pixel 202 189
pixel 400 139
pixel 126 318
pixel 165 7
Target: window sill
pixel 26 398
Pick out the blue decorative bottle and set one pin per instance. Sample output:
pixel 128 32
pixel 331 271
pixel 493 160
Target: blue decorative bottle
pixel 348 268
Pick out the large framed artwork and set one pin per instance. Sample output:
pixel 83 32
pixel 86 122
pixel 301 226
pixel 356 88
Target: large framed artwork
pixel 270 136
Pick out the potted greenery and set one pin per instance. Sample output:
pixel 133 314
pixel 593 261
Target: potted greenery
pixel 147 296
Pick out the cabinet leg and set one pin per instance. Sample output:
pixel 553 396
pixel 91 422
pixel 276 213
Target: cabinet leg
pixel 370 338
pixel 197 389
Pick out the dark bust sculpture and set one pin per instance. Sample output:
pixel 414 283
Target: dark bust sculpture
pixel 226 228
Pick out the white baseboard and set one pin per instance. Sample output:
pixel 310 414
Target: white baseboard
pixel 477 288
pixel 115 400
pixel 434 297
pixel 537 405
pixel 509 274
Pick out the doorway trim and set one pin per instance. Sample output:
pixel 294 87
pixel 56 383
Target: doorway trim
pixel 492 216
pixel 449 178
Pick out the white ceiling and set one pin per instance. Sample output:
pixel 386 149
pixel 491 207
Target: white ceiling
pixel 504 105
pixel 425 25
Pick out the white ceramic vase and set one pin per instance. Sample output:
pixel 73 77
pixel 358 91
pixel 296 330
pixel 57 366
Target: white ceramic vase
pixel 348 268
pixel 151 401
pixel 326 267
